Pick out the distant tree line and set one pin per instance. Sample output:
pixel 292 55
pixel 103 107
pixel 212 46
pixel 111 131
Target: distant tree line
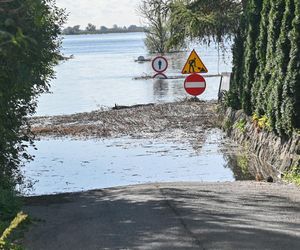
pixel 92 29
pixel 266 64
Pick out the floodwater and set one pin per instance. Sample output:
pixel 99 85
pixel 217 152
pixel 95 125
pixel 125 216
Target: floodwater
pixel 93 164
pixel 101 75
pixel 102 71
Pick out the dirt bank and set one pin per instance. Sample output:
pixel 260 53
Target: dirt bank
pixel 183 118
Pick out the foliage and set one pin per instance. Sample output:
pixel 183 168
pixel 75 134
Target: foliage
pixel 266 67
pixel 203 20
pixel 4 244
pixel 252 17
pixel 243 163
pixel 261 52
pixel 241 125
pixel 293 175
pixel 29 49
pixel 255 117
pixel 281 61
pixel 91 28
pixel 172 23
pixel 264 123
pixel 291 87
pixel 227 124
pixel 156 14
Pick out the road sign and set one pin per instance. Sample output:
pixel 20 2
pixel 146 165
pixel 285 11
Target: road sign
pixel 159 64
pixel 194 65
pixel 195 84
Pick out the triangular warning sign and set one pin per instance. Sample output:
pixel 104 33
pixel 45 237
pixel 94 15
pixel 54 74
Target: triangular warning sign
pixel 194 65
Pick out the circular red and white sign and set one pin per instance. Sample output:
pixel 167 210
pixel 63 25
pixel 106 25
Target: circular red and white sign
pixel 159 64
pixel 195 84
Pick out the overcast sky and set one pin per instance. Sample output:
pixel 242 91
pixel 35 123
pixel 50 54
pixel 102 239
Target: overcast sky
pixel 101 12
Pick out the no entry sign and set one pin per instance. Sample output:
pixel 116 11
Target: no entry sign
pixel 195 84
pixel 159 64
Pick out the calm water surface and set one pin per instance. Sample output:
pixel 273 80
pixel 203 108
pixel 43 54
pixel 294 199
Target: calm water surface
pixel 92 164
pixel 102 72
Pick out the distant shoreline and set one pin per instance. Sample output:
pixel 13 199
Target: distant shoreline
pixel 101 33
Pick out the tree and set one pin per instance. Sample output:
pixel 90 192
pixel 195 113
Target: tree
pixel 203 20
pixel 90 28
pixel 155 13
pixel 250 62
pixel 281 62
pixel 72 30
pixel 291 90
pixel 275 94
pixel 103 29
pixel 261 51
pixel 29 49
pixel 237 81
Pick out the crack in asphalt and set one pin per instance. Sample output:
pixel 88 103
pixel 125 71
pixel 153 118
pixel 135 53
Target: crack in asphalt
pixel 180 218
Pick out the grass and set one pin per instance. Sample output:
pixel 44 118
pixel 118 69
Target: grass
pixel 293 175
pixel 10 219
pixel 241 125
pixel 227 124
pixel 243 163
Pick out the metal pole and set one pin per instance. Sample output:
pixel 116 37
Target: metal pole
pixel 218 58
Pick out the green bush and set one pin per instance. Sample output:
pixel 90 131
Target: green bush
pixel 293 175
pixel 29 49
pixel 241 125
pixel 266 69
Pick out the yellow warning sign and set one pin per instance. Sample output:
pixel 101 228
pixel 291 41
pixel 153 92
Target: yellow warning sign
pixel 194 65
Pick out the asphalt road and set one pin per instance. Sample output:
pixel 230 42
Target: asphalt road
pixel 239 215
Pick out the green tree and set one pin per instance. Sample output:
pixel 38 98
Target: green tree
pixel 291 89
pixel 261 52
pixel 90 28
pixel 203 20
pixel 281 61
pixel 237 78
pixel 29 49
pixel 275 19
pixel 250 62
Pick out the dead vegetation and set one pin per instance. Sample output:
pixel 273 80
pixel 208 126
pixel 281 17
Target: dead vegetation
pixel 186 118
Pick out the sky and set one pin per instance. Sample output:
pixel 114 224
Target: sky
pixel 101 12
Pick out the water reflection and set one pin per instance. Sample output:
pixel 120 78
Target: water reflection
pixel 92 164
pixel 160 88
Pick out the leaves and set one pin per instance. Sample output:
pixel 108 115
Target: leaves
pixel 271 63
pixel 29 48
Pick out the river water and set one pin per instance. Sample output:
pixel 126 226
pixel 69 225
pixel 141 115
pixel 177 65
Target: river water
pixel 101 75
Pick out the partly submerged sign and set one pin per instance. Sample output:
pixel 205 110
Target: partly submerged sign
pixel 194 65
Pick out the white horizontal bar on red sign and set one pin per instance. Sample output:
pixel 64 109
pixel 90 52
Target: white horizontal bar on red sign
pixel 195 84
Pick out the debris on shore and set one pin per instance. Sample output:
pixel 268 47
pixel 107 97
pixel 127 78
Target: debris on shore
pixel 184 118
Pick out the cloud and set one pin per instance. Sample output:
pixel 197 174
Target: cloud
pixel 101 12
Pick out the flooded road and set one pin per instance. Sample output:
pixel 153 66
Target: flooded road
pixel 102 71
pixel 66 165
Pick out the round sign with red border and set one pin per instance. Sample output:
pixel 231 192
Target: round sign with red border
pixel 160 64
pixel 195 84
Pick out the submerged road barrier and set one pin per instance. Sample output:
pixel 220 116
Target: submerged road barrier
pixel 148 77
